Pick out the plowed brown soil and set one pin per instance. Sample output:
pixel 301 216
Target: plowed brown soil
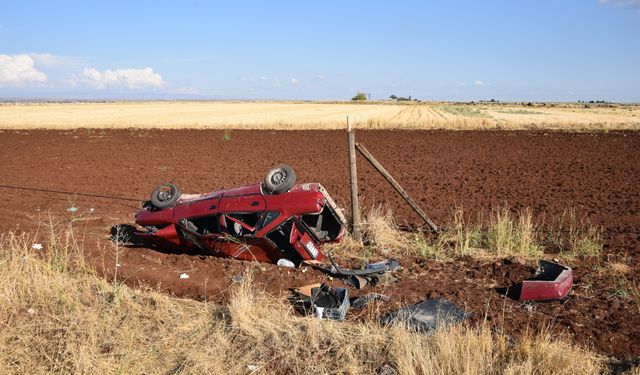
pixel 597 174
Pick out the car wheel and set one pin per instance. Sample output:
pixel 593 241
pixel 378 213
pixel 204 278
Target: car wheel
pixel 279 179
pixel 165 195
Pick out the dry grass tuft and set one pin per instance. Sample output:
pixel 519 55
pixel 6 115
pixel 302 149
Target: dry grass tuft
pixel 381 237
pixel 381 231
pixel 57 316
pixel 468 238
pixel 505 234
pixel 575 237
pixel 513 236
pixel 427 245
pixel 621 269
pixel 462 238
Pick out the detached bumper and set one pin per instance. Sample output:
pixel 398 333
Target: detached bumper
pixel 552 282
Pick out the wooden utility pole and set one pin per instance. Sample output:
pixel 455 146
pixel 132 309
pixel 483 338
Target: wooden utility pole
pixel 367 155
pixel 353 181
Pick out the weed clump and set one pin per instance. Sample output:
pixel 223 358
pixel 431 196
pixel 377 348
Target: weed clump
pixel 573 237
pixel 505 234
pixel 513 236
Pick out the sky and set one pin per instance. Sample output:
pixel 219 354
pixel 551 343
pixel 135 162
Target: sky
pixel 525 50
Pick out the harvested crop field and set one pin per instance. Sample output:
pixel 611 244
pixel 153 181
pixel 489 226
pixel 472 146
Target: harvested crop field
pixel 550 172
pixel 319 115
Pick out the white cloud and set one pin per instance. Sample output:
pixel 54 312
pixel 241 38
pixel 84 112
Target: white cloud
pixel 134 79
pixel 294 81
pixel 19 70
pixel 321 76
pixel 479 83
pixel 51 61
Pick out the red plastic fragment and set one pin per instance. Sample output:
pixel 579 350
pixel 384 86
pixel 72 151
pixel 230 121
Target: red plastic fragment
pixel 552 282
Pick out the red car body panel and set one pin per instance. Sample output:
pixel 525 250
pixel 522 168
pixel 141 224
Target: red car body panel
pixel 553 283
pixel 176 227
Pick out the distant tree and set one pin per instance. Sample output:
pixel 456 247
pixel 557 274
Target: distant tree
pixel 360 96
pixel 393 97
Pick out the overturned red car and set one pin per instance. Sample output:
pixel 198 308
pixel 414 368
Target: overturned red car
pixel 265 222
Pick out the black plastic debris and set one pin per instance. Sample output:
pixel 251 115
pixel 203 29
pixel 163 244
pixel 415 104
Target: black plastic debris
pixel 357 282
pixel 362 301
pixel 383 266
pixel 369 269
pixel 330 303
pixel 383 279
pixel 429 315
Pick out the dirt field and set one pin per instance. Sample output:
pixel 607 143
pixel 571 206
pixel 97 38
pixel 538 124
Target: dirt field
pixel 315 115
pixel 596 173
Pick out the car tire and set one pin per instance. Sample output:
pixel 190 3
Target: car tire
pixel 279 179
pixel 165 195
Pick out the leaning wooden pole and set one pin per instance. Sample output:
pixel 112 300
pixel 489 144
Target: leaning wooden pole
pixel 367 155
pixel 353 182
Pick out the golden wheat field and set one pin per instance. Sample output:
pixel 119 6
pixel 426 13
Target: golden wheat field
pixel 317 115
